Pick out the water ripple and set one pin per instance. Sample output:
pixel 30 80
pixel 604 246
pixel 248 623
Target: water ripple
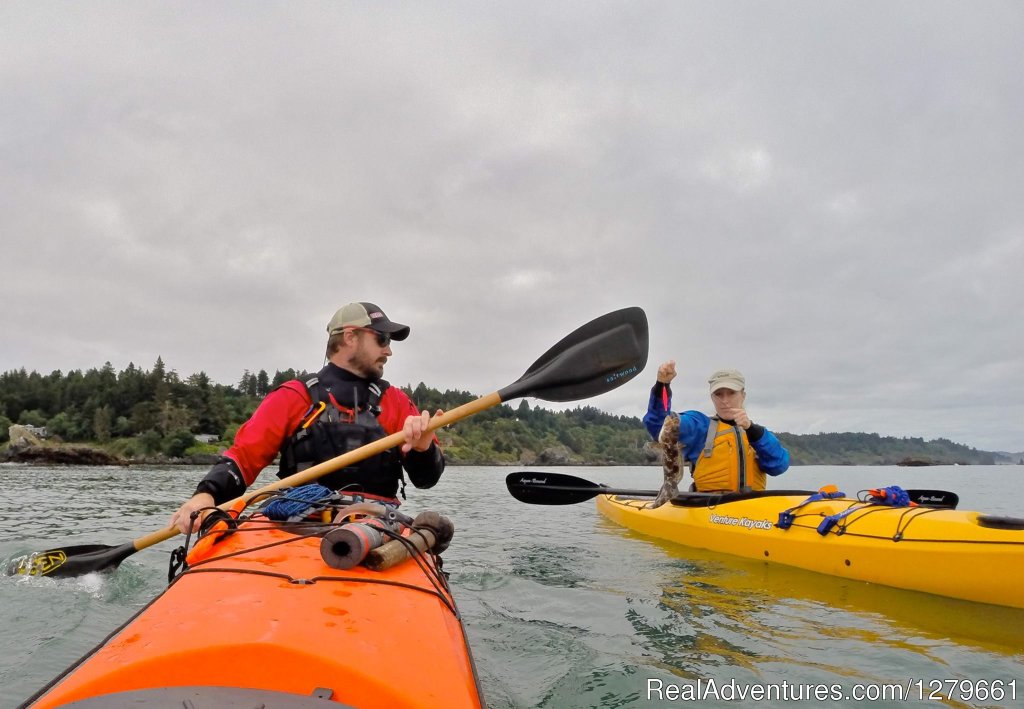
pixel 563 609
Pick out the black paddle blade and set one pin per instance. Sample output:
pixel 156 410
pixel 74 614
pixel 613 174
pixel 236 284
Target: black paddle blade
pixel 943 499
pixel 597 357
pixel 538 488
pixel 71 561
pixel 541 488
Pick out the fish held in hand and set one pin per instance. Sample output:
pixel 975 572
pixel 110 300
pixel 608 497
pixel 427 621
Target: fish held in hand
pixel 671 455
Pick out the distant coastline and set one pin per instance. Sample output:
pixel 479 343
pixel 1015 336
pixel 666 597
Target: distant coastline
pixel 153 417
pixel 92 453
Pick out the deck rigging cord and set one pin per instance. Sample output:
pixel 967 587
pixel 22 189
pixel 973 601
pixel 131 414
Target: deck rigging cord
pixel 289 504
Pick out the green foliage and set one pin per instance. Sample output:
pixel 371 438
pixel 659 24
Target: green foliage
pixel 35 417
pixel 177 442
pixel 154 410
pixel 872 449
pixel 149 442
pixel 139 413
pixel 523 435
pixel 66 425
pixel 202 449
pixel 126 448
pixel 230 431
pixel 102 422
pixel 129 403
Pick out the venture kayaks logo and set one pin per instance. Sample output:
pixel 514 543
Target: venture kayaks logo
pixel 745 522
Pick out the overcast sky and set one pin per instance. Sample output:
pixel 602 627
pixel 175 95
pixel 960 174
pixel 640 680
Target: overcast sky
pixel 827 196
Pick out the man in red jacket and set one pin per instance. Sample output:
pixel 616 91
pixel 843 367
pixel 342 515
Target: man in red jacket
pixel 342 407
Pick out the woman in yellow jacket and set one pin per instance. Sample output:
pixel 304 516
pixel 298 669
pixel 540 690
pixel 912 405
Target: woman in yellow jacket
pixel 726 451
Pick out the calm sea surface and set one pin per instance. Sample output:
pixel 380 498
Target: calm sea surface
pixel 562 607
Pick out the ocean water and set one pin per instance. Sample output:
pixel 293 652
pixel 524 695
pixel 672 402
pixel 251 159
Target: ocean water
pixel 562 607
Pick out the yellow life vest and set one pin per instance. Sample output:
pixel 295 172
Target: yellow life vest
pixel 728 461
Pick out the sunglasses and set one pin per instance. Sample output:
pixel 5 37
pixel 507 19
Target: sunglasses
pixel 383 338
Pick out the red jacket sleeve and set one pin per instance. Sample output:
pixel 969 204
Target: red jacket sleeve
pixel 395 408
pixel 259 439
pixel 424 467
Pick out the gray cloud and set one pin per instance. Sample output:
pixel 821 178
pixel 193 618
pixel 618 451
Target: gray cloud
pixel 823 195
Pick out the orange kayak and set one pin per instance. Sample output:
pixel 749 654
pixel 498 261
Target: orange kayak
pixel 259 617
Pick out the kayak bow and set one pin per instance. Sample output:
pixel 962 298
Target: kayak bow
pixel 276 614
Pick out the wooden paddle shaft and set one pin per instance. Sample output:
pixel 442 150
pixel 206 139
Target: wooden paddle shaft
pixel 342 461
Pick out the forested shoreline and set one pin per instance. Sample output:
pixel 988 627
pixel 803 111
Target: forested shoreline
pixel 154 414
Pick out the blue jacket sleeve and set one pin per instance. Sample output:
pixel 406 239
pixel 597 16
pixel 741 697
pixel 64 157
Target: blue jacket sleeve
pixel 658 406
pixel 693 425
pixel 772 458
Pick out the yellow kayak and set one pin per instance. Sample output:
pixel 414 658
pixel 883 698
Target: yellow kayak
pixel 952 553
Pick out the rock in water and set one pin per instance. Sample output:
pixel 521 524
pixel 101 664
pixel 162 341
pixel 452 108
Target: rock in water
pixel 668 441
pixel 22 437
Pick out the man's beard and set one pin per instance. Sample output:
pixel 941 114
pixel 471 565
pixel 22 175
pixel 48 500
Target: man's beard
pixel 366 366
